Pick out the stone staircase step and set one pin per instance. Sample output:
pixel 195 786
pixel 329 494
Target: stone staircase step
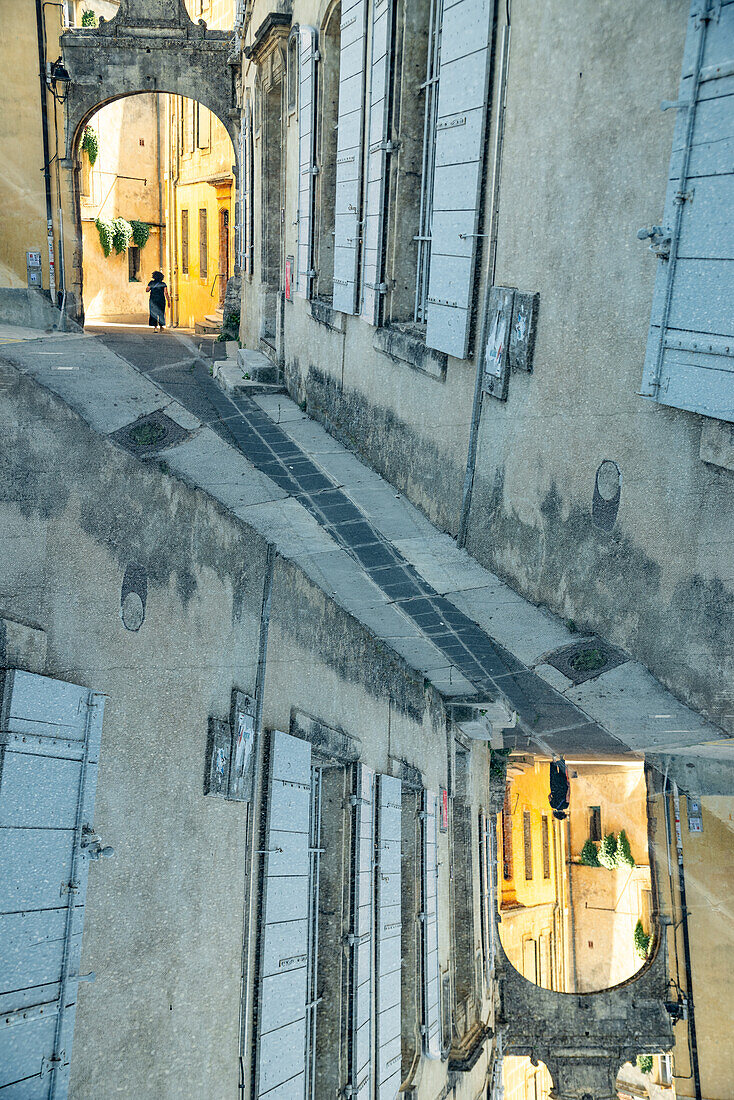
pixel 256 367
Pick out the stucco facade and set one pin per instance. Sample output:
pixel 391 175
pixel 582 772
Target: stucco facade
pixel 568 207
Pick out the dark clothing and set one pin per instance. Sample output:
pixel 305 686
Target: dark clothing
pixel 560 787
pixel 157 304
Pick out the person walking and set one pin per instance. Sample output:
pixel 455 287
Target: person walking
pixel 159 297
pixel 560 788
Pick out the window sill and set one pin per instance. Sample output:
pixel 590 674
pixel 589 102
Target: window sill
pixel 402 344
pixel 325 314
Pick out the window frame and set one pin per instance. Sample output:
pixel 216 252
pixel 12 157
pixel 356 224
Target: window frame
pixel 203 244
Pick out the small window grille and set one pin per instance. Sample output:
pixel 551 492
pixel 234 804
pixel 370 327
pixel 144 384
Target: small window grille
pixel 527 844
pixel 546 847
pixel 446 1009
pixel 292 71
pixel 595 822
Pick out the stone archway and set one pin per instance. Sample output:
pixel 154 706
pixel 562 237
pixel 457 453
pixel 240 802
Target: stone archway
pixel 149 46
pixel 584 1038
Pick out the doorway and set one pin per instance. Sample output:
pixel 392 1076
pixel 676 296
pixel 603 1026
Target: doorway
pixel 223 254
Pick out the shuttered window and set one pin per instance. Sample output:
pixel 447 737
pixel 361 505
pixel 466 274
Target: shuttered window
pixel 429 922
pixel 306 157
pixel 184 242
pixel 50 737
pixel 486 881
pixel 546 846
pixel 282 996
pixel 388 939
pixel 246 191
pixel 689 362
pixel 377 137
pixel 527 838
pixel 507 866
pixel 203 244
pixel 361 1017
pixel 459 133
pixel 349 155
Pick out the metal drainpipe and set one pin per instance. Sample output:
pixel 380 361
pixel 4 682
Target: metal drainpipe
pixel 571 920
pixel 686 943
pixel 160 177
pixel 476 414
pixel 46 155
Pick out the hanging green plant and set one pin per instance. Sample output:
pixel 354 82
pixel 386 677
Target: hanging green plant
pixel 106 232
pixel 90 145
pixel 590 854
pixel 89 19
pixel 608 851
pixel 122 234
pixel 141 232
pixel 624 852
pixel 641 940
pixel 645 1063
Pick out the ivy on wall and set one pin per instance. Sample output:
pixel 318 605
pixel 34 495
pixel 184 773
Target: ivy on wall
pixel 118 234
pixel 141 232
pixel 90 145
pixel 89 19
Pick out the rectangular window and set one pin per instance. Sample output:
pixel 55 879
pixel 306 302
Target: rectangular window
pixel 507 869
pixel 203 127
pixel 446 1023
pixel 133 264
pixel 527 844
pixel 595 822
pixel 546 847
pixel 203 245
pixel 184 242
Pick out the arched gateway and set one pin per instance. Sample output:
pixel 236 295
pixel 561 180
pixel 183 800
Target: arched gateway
pixel 149 46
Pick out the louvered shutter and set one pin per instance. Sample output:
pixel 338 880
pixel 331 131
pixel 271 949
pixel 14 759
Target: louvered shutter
pixel 281 1033
pixel 388 940
pixel 486 867
pixel 378 133
pixel 431 975
pixel 463 94
pixel 50 736
pixel 360 1069
pixel 689 362
pixel 246 177
pixel 349 156
pixel 306 157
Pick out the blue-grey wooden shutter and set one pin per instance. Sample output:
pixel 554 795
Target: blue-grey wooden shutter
pixel 246 177
pixel 689 362
pixel 50 736
pixel 431 970
pixel 388 941
pixel 307 169
pixel 463 94
pixel 349 155
pixel 378 135
pixel 281 1031
pixel 360 1070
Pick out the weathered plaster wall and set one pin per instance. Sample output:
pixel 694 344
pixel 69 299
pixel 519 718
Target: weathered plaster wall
pixel 163 925
pixel 585 161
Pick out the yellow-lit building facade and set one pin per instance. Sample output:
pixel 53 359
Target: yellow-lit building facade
pixel 200 191
pixel 564 925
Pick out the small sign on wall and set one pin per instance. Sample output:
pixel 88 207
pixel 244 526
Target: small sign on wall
pixel 33 267
pixel 443 810
pixel 289 279
pixel 695 819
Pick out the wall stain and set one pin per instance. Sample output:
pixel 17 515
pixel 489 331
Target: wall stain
pixel 421 470
pixel 607 584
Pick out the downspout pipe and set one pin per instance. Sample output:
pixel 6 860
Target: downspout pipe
pixel 476 414
pixel 46 154
pixel 686 943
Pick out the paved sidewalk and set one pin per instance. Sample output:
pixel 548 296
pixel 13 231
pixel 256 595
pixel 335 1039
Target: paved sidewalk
pixel 458 624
